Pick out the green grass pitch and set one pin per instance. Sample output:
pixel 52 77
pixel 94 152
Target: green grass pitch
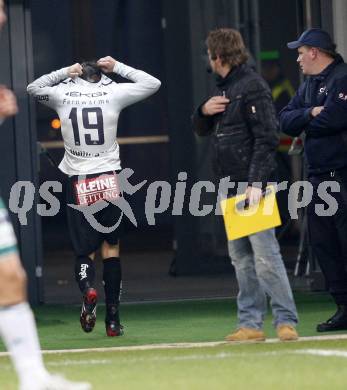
pixel 317 364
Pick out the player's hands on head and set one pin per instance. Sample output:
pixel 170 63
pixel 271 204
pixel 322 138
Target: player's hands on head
pixel 106 64
pixel 75 70
pixel 8 102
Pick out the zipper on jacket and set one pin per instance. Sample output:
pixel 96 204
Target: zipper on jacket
pixel 220 120
pixel 221 135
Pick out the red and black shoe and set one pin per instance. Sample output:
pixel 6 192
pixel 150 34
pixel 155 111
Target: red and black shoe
pixel 88 312
pixel 112 323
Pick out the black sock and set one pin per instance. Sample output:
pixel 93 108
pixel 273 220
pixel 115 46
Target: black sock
pixel 112 277
pixel 84 273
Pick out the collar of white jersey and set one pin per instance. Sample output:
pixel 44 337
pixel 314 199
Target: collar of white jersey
pixel 78 81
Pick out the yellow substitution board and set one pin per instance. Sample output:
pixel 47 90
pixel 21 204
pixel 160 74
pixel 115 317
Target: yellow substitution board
pixel 241 221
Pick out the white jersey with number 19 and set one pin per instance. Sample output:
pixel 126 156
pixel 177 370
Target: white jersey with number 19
pixel 89 114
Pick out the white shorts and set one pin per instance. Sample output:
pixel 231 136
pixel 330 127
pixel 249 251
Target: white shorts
pixel 8 242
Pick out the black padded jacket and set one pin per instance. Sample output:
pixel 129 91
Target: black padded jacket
pixel 245 136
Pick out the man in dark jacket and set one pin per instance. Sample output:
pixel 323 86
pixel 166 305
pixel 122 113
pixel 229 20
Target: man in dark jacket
pixel 241 118
pixel 319 108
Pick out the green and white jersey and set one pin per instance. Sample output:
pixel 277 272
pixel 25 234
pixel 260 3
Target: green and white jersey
pixel 89 114
pixel 8 242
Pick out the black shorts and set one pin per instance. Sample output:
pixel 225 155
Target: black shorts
pixel 85 238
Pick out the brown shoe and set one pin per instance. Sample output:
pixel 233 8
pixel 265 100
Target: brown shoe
pixel 246 334
pixel 287 332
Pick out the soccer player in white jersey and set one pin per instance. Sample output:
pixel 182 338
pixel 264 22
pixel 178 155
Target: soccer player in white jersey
pixel 88 104
pixel 17 324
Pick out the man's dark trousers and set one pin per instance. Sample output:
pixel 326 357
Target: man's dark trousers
pixel 332 258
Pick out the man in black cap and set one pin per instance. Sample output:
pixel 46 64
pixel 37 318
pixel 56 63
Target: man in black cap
pixel 319 108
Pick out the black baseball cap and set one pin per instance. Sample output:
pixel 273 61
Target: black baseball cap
pixel 313 37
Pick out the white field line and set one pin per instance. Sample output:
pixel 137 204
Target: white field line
pixel 322 352
pixel 181 345
pixel 206 356
pixel 191 357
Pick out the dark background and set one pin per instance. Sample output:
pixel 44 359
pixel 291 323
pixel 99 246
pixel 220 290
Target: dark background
pixel 166 39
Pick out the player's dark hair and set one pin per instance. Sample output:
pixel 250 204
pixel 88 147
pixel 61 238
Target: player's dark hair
pixel 91 72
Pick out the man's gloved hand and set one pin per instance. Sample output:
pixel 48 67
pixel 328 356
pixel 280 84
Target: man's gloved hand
pixel 106 64
pixel 8 102
pixel 75 70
